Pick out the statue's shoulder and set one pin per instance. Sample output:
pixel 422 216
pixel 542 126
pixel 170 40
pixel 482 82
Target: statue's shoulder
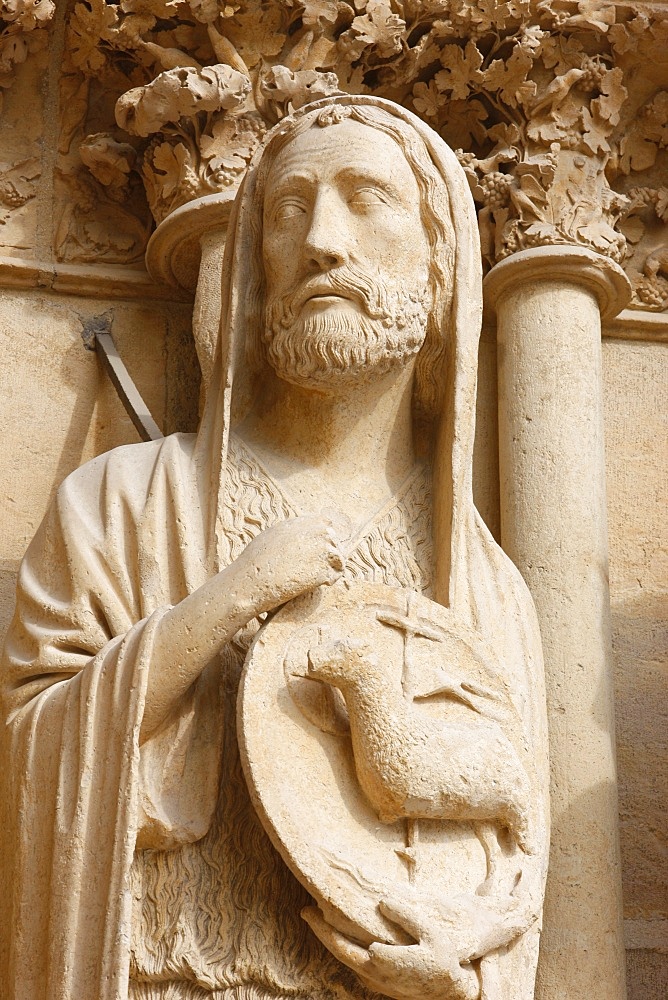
pixel 128 471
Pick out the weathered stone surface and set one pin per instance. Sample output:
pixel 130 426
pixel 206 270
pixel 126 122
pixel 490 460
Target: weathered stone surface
pixel 635 411
pixel 86 204
pixel 558 108
pixel 342 454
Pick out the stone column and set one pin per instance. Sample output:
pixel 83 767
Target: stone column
pixel 549 302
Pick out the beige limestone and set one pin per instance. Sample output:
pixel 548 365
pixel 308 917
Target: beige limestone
pixel 553 522
pixel 153 557
pixel 39 397
pixel 58 410
pixel 557 109
pixel 636 435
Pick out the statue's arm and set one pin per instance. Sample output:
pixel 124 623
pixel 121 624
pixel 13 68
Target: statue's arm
pixel 80 589
pixel 284 561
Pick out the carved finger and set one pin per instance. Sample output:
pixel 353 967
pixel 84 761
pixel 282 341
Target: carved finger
pixel 406 915
pixel 389 956
pixel 342 947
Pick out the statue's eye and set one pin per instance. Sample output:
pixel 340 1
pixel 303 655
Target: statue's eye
pixel 288 209
pixel 368 196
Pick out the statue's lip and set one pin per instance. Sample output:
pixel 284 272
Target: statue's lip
pixel 328 293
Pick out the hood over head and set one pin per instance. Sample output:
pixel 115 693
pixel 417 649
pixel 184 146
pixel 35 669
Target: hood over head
pixel 448 358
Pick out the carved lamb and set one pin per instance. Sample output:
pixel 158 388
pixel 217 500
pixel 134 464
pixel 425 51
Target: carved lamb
pixel 412 765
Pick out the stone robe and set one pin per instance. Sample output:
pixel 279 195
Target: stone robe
pixel 99 834
pixel 151 864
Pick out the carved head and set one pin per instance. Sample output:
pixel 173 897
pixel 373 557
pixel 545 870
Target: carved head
pixel 352 253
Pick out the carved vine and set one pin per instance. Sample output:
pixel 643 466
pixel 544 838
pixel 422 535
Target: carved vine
pixel 17 186
pixel 534 91
pixel 20 21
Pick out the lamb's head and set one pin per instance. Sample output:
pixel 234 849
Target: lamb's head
pixel 344 663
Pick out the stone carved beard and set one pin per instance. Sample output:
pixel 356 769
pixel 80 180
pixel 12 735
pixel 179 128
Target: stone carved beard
pixel 320 349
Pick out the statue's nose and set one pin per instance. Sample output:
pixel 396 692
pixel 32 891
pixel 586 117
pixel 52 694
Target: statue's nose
pixel 327 243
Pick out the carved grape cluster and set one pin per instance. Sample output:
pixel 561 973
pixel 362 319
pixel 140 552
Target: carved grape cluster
pixel 652 293
pixel 594 72
pixel 496 188
pixel 10 196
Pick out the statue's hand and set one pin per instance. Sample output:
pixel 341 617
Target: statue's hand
pixel 288 559
pixel 430 969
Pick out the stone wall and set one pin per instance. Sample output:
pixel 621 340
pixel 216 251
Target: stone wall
pixel 58 410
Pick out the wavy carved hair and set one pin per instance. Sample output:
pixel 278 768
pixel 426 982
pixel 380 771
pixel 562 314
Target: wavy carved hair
pixel 435 211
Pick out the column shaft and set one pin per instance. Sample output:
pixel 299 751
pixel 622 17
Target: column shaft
pixel 554 527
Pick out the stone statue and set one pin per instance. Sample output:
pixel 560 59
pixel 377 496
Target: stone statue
pixel 373 819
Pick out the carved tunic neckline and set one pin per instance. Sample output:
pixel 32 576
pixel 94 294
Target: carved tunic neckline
pixel 417 473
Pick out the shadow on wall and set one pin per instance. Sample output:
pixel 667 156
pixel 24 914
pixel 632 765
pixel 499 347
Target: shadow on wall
pixel 646 975
pixel 640 643
pixel 8 570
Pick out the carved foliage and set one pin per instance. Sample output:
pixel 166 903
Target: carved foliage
pixel 536 92
pixel 17 186
pixel 19 21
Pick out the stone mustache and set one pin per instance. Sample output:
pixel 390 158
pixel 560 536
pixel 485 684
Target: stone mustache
pixel 275 704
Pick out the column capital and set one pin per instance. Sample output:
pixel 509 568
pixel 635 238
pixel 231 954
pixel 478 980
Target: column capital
pixel 570 265
pixel 557 110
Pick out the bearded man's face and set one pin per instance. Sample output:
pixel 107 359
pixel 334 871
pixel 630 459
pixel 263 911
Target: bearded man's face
pixel 346 257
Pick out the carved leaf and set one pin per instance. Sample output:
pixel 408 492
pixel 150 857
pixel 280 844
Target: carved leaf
pixel 661 204
pixel 27 14
pixel 625 37
pixel 171 160
pixel 180 93
pixel 613 96
pixel 505 136
pixel 232 142
pixel 595 132
pixel 561 53
pixel 87 28
pixel 647 134
pixel 258 30
pixel 427 99
pixel 378 27
pixel 481 15
pixel 509 78
pixel 545 130
pixel 206 11
pixel 288 90
pixel 461 70
pixel 531 38
pixel 637 153
pixel 464 123
pixel 318 13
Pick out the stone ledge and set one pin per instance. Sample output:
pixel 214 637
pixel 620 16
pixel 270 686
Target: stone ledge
pixel 646 934
pixel 132 283
pixel 111 282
